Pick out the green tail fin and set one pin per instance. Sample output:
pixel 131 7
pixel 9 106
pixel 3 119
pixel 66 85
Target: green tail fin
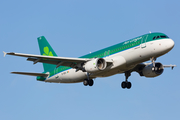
pixel 46 49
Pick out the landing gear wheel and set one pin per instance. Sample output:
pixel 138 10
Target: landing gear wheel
pixel 128 85
pixel 91 82
pixel 85 82
pixel 123 85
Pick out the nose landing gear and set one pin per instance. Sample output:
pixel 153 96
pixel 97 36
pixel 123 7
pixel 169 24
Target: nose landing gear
pixel 153 59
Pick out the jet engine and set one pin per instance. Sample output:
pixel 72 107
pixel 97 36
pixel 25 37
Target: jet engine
pixel 95 65
pixel 151 71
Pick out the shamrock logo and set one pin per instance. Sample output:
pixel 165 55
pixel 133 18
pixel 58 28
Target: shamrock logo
pixel 47 52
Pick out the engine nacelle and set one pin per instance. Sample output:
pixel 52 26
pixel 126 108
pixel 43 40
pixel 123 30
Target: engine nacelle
pixel 150 71
pixel 95 65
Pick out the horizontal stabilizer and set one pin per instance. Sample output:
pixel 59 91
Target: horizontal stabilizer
pixel 31 74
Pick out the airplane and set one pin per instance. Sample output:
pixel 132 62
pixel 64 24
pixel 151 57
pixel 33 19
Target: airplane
pixel 125 57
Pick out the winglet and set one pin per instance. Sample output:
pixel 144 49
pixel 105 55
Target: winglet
pixel 173 67
pixel 4 53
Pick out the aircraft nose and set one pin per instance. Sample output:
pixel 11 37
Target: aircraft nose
pixel 170 44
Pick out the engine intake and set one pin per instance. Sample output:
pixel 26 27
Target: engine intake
pixel 95 65
pixel 150 71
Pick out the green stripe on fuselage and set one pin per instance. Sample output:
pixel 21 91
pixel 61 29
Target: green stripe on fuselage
pixel 112 50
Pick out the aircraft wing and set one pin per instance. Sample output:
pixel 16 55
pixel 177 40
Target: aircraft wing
pixel 166 66
pixel 58 61
pixel 139 67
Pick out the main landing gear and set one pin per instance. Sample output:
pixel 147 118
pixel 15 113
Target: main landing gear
pixel 126 84
pixel 88 81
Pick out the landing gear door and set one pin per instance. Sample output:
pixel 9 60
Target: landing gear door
pixel 143 41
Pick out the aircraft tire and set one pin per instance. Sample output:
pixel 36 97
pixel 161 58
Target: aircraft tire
pixel 123 85
pixel 91 82
pixel 85 82
pixel 128 85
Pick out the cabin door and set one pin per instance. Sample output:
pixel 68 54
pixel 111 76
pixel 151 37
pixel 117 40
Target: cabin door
pixel 143 41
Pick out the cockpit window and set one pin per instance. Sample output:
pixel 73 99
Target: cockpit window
pixel 163 36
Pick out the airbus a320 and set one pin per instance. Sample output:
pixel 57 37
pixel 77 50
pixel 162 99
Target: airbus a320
pixel 125 57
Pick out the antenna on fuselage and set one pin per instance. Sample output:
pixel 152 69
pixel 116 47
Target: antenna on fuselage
pixel 150 32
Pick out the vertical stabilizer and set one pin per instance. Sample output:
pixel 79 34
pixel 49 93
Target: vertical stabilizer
pixel 46 49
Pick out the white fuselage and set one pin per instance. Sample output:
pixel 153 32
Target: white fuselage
pixel 122 61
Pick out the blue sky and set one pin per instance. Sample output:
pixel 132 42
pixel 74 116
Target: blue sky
pixel 75 28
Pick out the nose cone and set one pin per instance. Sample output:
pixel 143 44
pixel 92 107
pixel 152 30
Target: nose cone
pixel 170 44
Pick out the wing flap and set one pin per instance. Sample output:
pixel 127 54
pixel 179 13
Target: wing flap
pixel 55 62
pixel 31 74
